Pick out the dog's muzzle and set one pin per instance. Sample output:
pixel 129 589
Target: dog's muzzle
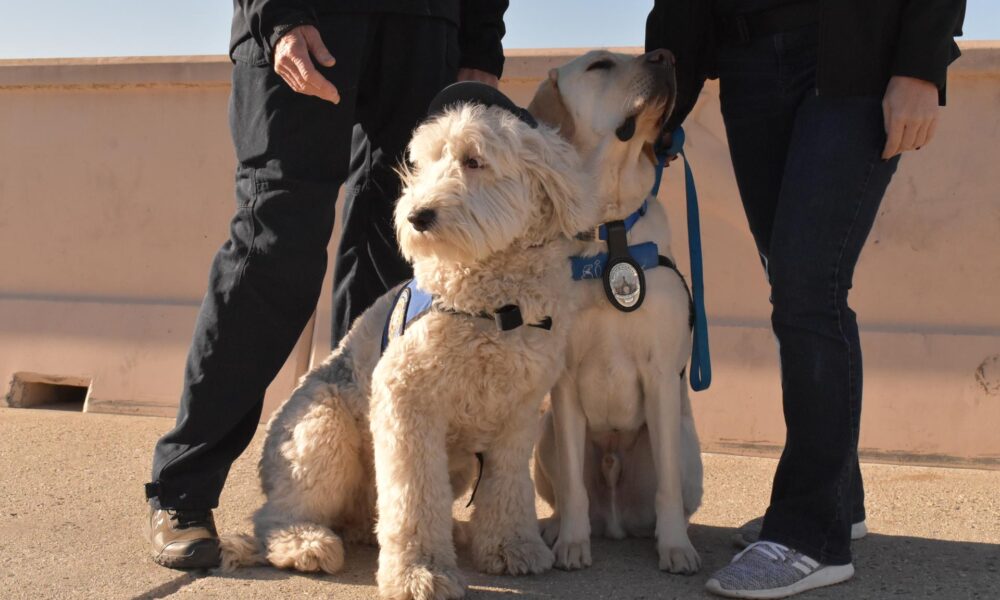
pixel 423 219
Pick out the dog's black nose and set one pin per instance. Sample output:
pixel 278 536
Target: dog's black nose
pixel 660 57
pixel 422 219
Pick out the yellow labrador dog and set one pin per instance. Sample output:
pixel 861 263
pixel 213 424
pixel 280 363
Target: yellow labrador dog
pixel 618 454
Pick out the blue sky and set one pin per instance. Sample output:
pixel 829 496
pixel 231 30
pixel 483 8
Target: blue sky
pixel 72 28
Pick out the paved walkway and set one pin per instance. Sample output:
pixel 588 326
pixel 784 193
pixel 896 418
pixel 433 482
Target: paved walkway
pixel 71 510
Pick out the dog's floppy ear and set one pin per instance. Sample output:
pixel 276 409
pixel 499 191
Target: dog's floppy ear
pixel 548 107
pixel 557 169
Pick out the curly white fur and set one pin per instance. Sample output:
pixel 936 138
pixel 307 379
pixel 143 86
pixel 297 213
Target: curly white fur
pixel 408 423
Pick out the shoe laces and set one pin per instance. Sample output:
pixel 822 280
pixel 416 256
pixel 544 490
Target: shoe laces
pixel 191 518
pixel 772 550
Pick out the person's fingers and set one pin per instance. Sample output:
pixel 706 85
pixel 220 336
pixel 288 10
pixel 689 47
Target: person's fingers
pixel 920 139
pixel 886 121
pixel 894 136
pixel 311 78
pixel 314 41
pixel 911 129
pixel 290 75
pixel 931 130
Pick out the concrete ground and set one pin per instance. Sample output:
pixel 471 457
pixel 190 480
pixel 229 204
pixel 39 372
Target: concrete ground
pixel 71 509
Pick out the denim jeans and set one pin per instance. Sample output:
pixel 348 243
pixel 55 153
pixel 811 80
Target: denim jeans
pixel 811 179
pixel 293 153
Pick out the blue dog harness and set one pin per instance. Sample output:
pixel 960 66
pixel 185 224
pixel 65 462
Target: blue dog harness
pixel 621 268
pixel 411 303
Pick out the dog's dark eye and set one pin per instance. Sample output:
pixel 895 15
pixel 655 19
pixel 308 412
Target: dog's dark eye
pixel 472 163
pixel 602 65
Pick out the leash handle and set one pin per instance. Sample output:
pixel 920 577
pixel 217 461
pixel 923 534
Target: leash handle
pixel 701 362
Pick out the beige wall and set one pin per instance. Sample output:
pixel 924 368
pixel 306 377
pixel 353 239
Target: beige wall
pixel 116 190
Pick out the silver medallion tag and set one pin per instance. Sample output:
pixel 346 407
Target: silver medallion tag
pixel 626 285
pixel 397 321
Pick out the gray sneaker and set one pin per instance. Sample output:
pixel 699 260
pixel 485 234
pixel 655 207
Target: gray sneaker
pixel 749 532
pixel 770 570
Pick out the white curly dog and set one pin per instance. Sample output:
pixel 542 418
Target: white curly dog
pixel 486 217
pixel 619 454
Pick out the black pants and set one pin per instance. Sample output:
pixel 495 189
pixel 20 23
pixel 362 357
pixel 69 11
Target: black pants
pixel 294 152
pixel 811 179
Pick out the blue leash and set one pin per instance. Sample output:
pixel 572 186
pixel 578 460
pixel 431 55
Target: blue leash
pixel 701 362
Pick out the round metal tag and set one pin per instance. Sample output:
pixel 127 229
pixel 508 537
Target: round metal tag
pixel 625 285
pixel 397 321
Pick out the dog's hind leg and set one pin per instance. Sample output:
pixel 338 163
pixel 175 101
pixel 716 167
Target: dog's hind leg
pixel 545 464
pixel 572 548
pixel 315 474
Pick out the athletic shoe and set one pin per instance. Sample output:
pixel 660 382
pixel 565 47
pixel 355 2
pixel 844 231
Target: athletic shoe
pixel 770 570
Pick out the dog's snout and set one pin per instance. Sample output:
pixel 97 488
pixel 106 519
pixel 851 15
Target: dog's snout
pixel 422 219
pixel 660 57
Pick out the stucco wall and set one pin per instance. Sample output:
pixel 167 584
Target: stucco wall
pixel 116 190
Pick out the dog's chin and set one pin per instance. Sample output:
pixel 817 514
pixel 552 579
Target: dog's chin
pixel 419 246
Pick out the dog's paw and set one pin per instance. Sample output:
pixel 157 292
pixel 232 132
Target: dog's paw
pixel 515 557
pixel 420 582
pixel 307 548
pixel 571 555
pixel 549 528
pixel 239 550
pixel 679 558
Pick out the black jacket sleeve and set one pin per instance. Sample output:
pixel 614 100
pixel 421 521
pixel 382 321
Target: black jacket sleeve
pixel 480 33
pixel 684 28
pixel 926 43
pixel 268 20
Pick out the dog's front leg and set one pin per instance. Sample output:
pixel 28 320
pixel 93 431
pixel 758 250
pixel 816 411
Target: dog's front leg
pixel 505 537
pixel 572 548
pixel 663 417
pixel 417 556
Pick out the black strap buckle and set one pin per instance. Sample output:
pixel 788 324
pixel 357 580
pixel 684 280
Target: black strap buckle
pixel 508 317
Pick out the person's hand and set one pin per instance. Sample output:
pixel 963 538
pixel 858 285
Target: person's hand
pixel 910 108
pixel 665 140
pixel 293 61
pixel 467 74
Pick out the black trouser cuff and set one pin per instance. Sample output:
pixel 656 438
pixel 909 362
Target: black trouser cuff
pixel 152 490
pixel 171 497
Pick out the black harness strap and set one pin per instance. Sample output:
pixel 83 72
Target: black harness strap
pixel 507 318
pixel 475 488
pixel 666 262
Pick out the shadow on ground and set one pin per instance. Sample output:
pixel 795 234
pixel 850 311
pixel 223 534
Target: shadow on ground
pixel 888 567
pixel 72 511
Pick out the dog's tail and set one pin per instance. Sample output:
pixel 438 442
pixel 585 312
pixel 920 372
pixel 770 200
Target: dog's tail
pixel 240 550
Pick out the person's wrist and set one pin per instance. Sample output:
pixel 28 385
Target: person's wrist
pixel 915 81
pixel 282 29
